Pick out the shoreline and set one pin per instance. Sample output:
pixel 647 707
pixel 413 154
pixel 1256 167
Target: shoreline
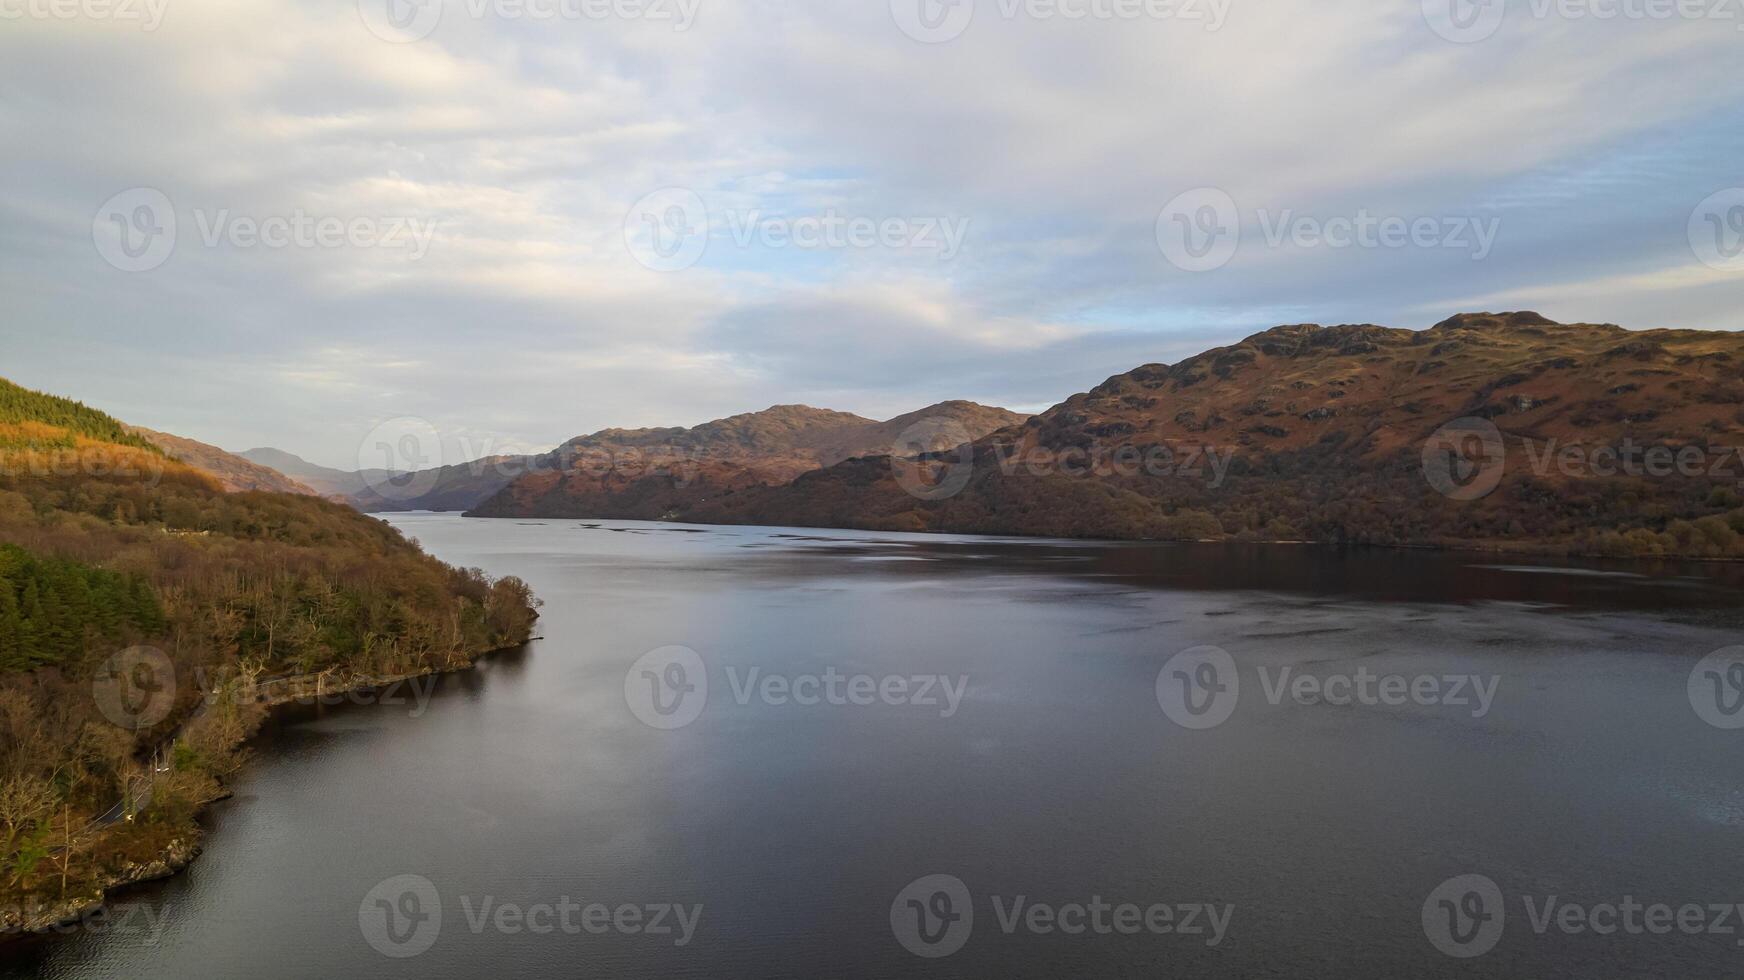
pixel 1523 550
pixel 45 921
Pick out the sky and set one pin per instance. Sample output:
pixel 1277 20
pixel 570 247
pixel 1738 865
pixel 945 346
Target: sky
pixel 302 223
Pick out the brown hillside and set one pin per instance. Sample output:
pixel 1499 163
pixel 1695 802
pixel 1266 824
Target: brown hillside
pixel 233 472
pixel 663 473
pixel 1321 433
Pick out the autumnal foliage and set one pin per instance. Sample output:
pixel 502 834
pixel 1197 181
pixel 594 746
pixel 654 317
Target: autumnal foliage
pixel 109 545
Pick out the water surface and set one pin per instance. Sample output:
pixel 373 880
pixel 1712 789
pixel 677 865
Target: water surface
pixel 1322 828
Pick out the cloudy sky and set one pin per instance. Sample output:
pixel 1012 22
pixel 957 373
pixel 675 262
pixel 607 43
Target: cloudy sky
pixel 267 222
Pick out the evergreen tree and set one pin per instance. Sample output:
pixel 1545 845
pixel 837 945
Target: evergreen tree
pixel 11 629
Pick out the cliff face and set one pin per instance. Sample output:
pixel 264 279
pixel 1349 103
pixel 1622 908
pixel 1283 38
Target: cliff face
pixel 1507 430
pixel 665 473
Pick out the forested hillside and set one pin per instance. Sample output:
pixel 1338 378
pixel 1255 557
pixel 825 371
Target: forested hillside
pixel 108 546
pixel 32 420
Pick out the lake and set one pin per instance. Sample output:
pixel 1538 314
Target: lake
pixel 766 752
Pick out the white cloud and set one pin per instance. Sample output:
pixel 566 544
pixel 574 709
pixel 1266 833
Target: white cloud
pixel 523 143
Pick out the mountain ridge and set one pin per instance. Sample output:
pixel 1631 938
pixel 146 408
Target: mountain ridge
pixel 1329 434
pixel 654 473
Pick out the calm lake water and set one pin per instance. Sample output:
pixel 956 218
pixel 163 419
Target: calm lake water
pixel 851 749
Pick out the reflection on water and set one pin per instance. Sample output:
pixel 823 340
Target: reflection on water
pixel 1319 817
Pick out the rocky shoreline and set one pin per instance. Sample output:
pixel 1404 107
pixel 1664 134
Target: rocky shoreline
pixel 67 915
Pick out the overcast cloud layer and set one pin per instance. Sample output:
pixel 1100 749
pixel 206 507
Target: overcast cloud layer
pixel 1008 182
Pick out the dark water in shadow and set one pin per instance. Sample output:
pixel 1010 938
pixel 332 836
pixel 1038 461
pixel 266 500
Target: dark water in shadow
pixel 1319 828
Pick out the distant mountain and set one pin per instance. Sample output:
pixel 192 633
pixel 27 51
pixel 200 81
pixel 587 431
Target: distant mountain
pixel 325 480
pixel 232 471
pixel 664 473
pixel 447 488
pixel 1495 430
